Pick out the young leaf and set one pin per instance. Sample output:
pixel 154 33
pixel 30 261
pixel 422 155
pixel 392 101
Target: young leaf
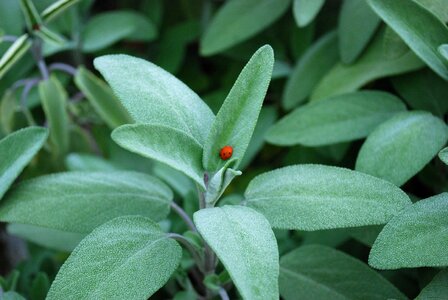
pixel 311 67
pixel 236 120
pixel 244 242
pixel 54 100
pixel 165 144
pixel 80 201
pixel 16 151
pixel 320 272
pixel 50 36
pixel 357 24
pixel 336 119
pixel 14 53
pixel 102 98
pixel 236 21
pixel 423 35
pixel 152 95
pixel 126 258
pixel 437 288
pixel 414 238
pixel 56 8
pixel 400 147
pixel 32 17
pixel 315 197
pixel 306 10
pixel 443 155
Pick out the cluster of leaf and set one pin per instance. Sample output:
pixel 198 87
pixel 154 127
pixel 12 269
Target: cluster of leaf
pixel 340 177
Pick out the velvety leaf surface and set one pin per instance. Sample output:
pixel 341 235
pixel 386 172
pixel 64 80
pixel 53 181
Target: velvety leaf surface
pixel 80 201
pixel 167 145
pixel 237 21
pixel 443 155
pixel 306 10
pixel 336 119
pixel 236 120
pixel 244 242
pixel 400 147
pixel 16 151
pixel 152 95
pixel 108 262
pixel 414 238
pixel 319 272
pixel 12 296
pixel 423 33
pixel 314 197
pixel 88 162
pixel 437 288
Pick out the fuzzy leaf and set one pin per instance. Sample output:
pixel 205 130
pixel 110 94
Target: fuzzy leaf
pixel 88 162
pixel 107 262
pixel 414 238
pixel 319 272
pixel 443 50
pixel 56 9
pixel 80 201
pixel 14 53
pixel 315 197
pixel 236 120
pixel 244 242
pixel 16 151
pixel 306 10
pixel 443 155
pixel 336 119
pixel 12 296
pixel 437 288
pixel 400 147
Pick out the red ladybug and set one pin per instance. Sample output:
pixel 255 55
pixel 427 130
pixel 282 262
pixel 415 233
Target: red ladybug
pixel 226 152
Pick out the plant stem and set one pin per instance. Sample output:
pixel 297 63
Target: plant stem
pixel 223 294
pixel 184 216
pixel 23 100
pixel 201 197
pixel 9 38
pixel 186 243
pixel 63 67
pixel 36 50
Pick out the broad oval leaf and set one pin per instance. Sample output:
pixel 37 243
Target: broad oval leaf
pixel 80 201
pixel 237 21
pixel 167 145
pixel 244 242
pixel 315 197
pixel 320 272
pixel 236 120
pixel 16 151
pixel 437 288
pixel 152 95
pixel 336 119
pixel 306 10
pixel 423 34
pixel 106 264
pixel 400 147
pixel 414 238
pixel 311 67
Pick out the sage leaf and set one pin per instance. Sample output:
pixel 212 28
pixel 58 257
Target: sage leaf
pixel 437 288
pixel 14 53
pixel 244 242
pixel 315 197
pixel 80 201
pixel 305 11
pixel 88 162
pixel 32 17
pixel 165 144
pixel 236 21
pixel 152 95
pixel 51 37
pixel 320 272
pixel 337 119
pixel 443 50
pixel 56 9
pixel 236 120
pixel 415 33
pixel 400 147
pixel 443 155
pixel 16 151
pixel 107 262
pixel 414 238
pixel 12 296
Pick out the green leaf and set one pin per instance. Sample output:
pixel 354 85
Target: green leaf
pixel 16 151
pixel 126 258
pixel 14 53
pixel 336 119
pixel 102 98
pixel 39 286
pixel 51 37
pixel 8 109
pixel 80 201
pixel 56 8
pixel 152 95
pixel 315 197
pixel 54 101
pixel 443 50
pixel 219 182
pixel 443 155
pixel 306 10
pixel 236 120
pixel 310 68
pixel 357 24
pixel 88 162
pixel 400 147
pixel 12 296
pixel 32 17
pixel 437 288
pixel 244 242
pixel 372 65
pixel 423 33
pixel 319 272
pixel 165 144
pixel 414 238
pixel 236 21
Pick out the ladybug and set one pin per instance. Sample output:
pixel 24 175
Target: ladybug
pixel 226 152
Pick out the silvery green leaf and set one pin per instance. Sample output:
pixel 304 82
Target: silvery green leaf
pixel 306 10
pixel 219 182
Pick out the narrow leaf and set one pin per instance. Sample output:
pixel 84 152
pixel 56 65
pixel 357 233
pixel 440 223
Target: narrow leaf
pixel 306 10
pixel 315 197
pixel 50 36
pixel 244 242
pixel 56 8
pixel 400 147
pixel 32 17
pixel 106 264
pixel 437 288
pixel 14 53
